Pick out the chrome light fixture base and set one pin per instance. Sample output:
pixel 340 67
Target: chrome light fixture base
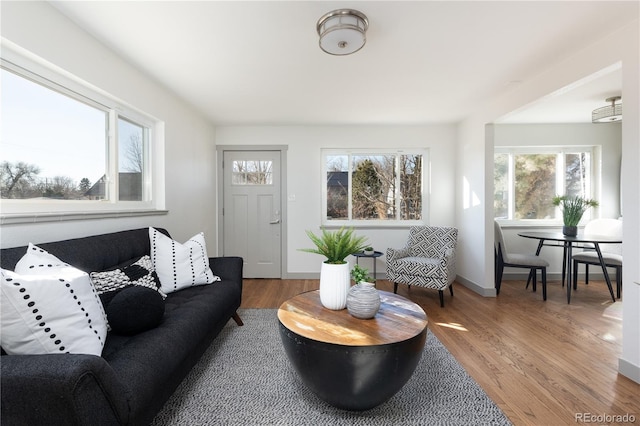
pixel 342 31
pixel 608 113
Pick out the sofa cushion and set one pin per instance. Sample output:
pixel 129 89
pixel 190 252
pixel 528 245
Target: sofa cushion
pixel 180 265
pixel 55 313
pixel 137 273
pixel 135 309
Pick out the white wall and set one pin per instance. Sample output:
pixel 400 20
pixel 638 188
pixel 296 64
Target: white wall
pixel 304 178
pixel 475 170
pixel 607 136
pixel 189 138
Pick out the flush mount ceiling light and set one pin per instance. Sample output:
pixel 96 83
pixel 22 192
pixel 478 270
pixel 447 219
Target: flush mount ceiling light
pixel 608 113
pixel 342 31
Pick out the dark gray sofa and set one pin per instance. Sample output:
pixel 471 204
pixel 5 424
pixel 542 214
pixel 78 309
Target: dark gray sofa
pixel 136 374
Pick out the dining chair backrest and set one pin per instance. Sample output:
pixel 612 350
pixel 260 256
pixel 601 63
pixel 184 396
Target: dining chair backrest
pixel 606 227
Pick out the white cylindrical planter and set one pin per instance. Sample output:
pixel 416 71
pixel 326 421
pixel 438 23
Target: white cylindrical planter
pixel 334 285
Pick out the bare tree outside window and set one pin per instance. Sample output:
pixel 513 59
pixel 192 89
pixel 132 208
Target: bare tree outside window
pixel 250 172
pixel 131 145
pixel 17 179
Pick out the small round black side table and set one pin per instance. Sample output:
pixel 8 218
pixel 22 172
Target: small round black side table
pixel 374 256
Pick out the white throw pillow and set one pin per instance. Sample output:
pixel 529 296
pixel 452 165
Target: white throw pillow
pixel 180 265
pixel 53 309
pixel 37 261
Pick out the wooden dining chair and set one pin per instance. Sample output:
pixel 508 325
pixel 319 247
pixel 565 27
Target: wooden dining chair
pixel 515 260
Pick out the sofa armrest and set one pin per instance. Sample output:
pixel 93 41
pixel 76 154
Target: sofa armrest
pixel 227 268
pixel 60 389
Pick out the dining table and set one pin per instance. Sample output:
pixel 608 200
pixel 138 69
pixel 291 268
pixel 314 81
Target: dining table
pixel 568 242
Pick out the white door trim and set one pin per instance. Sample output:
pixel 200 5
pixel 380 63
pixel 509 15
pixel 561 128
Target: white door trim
pixel 220 149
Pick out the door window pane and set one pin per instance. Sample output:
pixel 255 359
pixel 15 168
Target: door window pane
pixel 250 172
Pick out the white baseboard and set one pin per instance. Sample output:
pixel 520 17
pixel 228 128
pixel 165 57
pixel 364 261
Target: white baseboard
pixel 629 370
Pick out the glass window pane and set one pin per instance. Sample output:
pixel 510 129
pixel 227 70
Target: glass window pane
pixel 337 187
pixel 373 187
pixel 252 172
pixel 131 144
pixel 53 146
pixel 535 186
pixel 577 175
pixel 501 186
pixel 411 187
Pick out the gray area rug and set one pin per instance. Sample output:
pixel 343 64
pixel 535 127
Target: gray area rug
pixel 245 378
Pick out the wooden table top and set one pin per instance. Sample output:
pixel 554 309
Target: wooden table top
pixel 397 320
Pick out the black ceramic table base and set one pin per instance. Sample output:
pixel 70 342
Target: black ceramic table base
pixel 353 377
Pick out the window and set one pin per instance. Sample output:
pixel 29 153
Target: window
pixel 250 172
pixel 373 187
pixel 527 179
pixel 67 147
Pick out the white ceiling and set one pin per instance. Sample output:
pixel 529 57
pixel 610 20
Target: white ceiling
pixel 243 62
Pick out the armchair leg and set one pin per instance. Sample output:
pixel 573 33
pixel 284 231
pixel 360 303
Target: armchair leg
pixel 451 289
pixel 544 283
pixel 441 294
pixel 395 287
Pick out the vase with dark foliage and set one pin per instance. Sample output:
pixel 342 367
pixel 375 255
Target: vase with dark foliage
pixel 573 207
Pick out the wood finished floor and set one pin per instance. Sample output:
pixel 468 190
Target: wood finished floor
pixel 541 362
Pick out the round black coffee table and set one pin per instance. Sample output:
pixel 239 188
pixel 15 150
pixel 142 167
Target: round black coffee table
pixel 351 363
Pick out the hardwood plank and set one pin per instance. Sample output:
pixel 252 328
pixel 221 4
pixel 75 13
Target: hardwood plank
pixel 541 362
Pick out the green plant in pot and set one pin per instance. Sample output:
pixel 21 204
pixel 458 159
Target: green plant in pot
pixel 336 246
pixel 360 274
pixel 573 207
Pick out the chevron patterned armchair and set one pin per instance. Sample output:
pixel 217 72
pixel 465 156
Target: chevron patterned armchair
pixel 428 260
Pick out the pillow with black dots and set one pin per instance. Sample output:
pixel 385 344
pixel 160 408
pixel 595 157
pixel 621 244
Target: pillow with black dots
pixel 47 306
pixel 180 265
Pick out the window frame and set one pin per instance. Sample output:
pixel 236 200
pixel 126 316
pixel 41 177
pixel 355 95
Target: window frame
pixel 26 65
pixel 374 223
pixel 561 151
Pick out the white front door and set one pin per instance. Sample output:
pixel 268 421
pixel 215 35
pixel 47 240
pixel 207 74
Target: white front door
pixel 252 211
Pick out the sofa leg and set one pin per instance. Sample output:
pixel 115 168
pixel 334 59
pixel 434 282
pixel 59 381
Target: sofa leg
pixel 237 319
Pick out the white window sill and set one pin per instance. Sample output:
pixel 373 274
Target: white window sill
pixel 20 218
